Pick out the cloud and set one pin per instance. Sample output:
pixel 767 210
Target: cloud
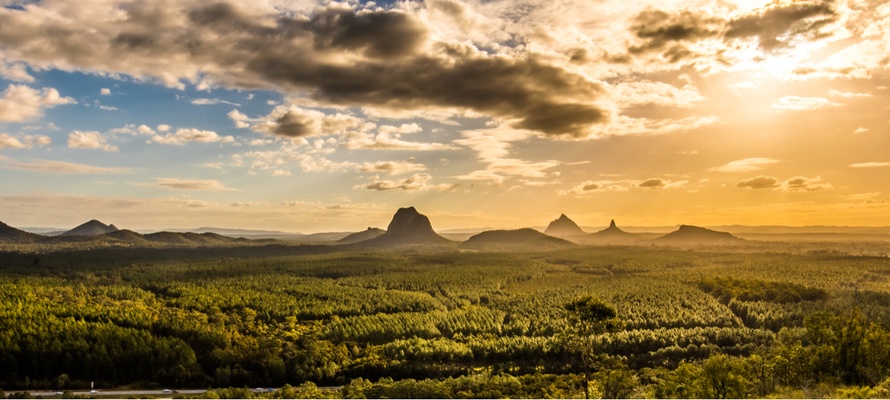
pixel 134 130
pixel 414 183
pixel 88 140
pixel 292 121
pixel 860 130
pixel 777 25
pixel 362 56
pixel 759 182
pixel 670 34
pixel 745 165
pixel 796 103
pixel 849 95
pixel 104 91
pixel 19 103
pixel 392 167
pixel 57 167
pixel 190 184
pixel 16 72
pixel 601 186
pixel 210 102
pixel 623 125
pixel 804 184
pixel 795 184
pixel 644 92
pixel 652 183
pixel 388 137
pixel 183 136
pixel 492 147
pixel 24 142
pixel 870 165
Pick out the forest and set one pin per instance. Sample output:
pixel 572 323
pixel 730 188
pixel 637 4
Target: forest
pixel 446 323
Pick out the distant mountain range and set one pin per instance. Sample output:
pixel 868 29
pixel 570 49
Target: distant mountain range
pixel 408 227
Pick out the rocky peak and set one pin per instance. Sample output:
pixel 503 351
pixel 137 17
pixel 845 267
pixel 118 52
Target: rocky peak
pixel 563 226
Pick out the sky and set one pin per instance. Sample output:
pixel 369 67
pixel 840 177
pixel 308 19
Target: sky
pixel 328 116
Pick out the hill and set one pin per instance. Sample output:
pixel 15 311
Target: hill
pixel 612 235
pixel 367 234
pixel 127 236
pixel 407 227
pixel 90 228
pixel 9 234
pixel 563 227
pixel 694 235
pixel 520 239
pixel 169 238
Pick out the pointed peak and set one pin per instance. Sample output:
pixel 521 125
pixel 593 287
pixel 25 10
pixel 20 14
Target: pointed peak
pixel 612 224
pixel 563 226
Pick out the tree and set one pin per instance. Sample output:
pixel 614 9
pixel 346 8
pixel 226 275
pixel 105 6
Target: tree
pixel 588 317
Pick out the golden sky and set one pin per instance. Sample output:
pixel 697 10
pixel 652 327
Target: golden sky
pixel 320 116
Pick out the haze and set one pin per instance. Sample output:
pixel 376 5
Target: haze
pixel 305 116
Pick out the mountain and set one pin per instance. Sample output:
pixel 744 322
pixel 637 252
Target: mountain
pixel 521 239
pixel 407 227
pixel 9 234
pixel 367 234
pixel 89 228
pixel 613 235
pixel 563 227
pixel 694 235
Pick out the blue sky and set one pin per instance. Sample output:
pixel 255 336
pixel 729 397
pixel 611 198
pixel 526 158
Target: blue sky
pixel 315 116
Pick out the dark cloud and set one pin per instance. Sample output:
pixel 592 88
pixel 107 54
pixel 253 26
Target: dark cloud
pixel 669 33
pixel 781 19
pixel 760 182
pixel 392 63
pixel 380 34
pixel 652 183
pixel 293 124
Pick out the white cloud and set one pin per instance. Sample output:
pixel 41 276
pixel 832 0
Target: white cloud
pixel 16 72
pixel 745 165
pixel 183 136
pixel 414 183
pixel 849 95
pixel 23 142
pixel 189 184
pixel 19 103
pixel 104 91
pixel 210 102
pixel 492 147
pixel 88 140
pixel 58 167
pixel 644 92
pixel 861 130
pixel 133 130
pixel 870 165
pixel 796 103
pixel 622 125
